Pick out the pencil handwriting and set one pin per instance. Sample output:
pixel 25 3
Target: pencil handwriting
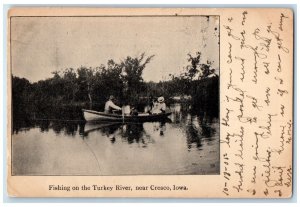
pixel 266 41
pixel 267 167
pixel 282 17
pixel 226 119
pixel 278 39
pixel 243 39
pixel 242 67
pixel 254 102
pixel 266 65
pixel 239 172
pixel 282 92
pixel 282 141
pixel 256 148
pixel 269 124
pixel 279 79
pixel 288 183
pixel 257 55
pixel 267 100
pixel 229 54
pixel 244 17
pixel 253 180
pixel 256 90
pixel 282 110
pixel 229 32
pixel 279 64
pixel 240 140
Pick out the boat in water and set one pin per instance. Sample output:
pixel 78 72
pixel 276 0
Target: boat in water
pixel 90 115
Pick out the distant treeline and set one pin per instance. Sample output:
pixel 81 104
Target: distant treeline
pixel 87 87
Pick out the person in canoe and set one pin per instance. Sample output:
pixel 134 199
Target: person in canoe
pixel 152 102
pixel 160 106
pixel 110 105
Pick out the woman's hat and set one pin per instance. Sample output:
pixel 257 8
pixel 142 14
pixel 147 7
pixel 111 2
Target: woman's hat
pixel 160 99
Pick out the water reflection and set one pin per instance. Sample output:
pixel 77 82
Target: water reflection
pixel 161 127
pixel 196 127
pixel 127 132
pixel 187 143
pixel 193 132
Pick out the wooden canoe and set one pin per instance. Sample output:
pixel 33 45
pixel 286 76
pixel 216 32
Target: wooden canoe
pixel 90 115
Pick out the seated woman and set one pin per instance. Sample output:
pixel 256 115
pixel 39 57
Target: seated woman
pixel 126 110
pixel 160 106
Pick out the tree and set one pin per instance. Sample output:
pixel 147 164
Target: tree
pixel 77 87
pixel 85 82
pixel 131 76
pixel 196 69
pixel 71 85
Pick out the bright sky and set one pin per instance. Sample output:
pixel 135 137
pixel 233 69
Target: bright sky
pixel 41 45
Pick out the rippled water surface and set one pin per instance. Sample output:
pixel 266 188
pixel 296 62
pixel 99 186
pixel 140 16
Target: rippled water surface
pixel 183 144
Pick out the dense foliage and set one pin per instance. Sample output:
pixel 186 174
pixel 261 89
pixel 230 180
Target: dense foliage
pixel 87 87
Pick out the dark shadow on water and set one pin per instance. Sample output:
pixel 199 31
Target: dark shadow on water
pixel 44 125
pixel 132 132
pixel 197 126
pixel 128 132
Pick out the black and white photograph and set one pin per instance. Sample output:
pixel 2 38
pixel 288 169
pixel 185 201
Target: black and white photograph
pixel 115 95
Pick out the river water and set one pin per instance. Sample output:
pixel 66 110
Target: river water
pixel 185 144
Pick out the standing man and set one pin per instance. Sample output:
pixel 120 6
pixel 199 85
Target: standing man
pixel 109 105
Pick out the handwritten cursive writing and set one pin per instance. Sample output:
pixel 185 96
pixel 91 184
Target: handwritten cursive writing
pixel 278 39
pixel 226 119
pixel 279 79
pixel 289 132
pixel 282 92
pixel 244 17
pixel 253 180
pixel 230 79
pixel 226 174
pixel 256 128
pixel 240 140
pixel 256 148
pixel 279 64
pixel 282 17
pixel 279 192
pixel 282 110
pixel 243 39
pixel 278 170
pixel 229 54
pixel 229 32
pixel 252 191
pixel 281 147
pixel 267 101
pixel 269 124
pixel 242 67
pixel 288 183
pixel 240 171
pixel 254 102
pixel 257 55
pixel 266 41
pixel 266 65
pixel 266 192
pixel 267 167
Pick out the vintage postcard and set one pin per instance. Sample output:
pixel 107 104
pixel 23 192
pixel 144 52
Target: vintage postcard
pixel 183 103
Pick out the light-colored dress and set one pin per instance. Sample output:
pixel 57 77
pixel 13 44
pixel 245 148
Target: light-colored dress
pixel 126 110
pixel 159 108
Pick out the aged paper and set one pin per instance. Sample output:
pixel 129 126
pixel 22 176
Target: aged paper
pixel 255 111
